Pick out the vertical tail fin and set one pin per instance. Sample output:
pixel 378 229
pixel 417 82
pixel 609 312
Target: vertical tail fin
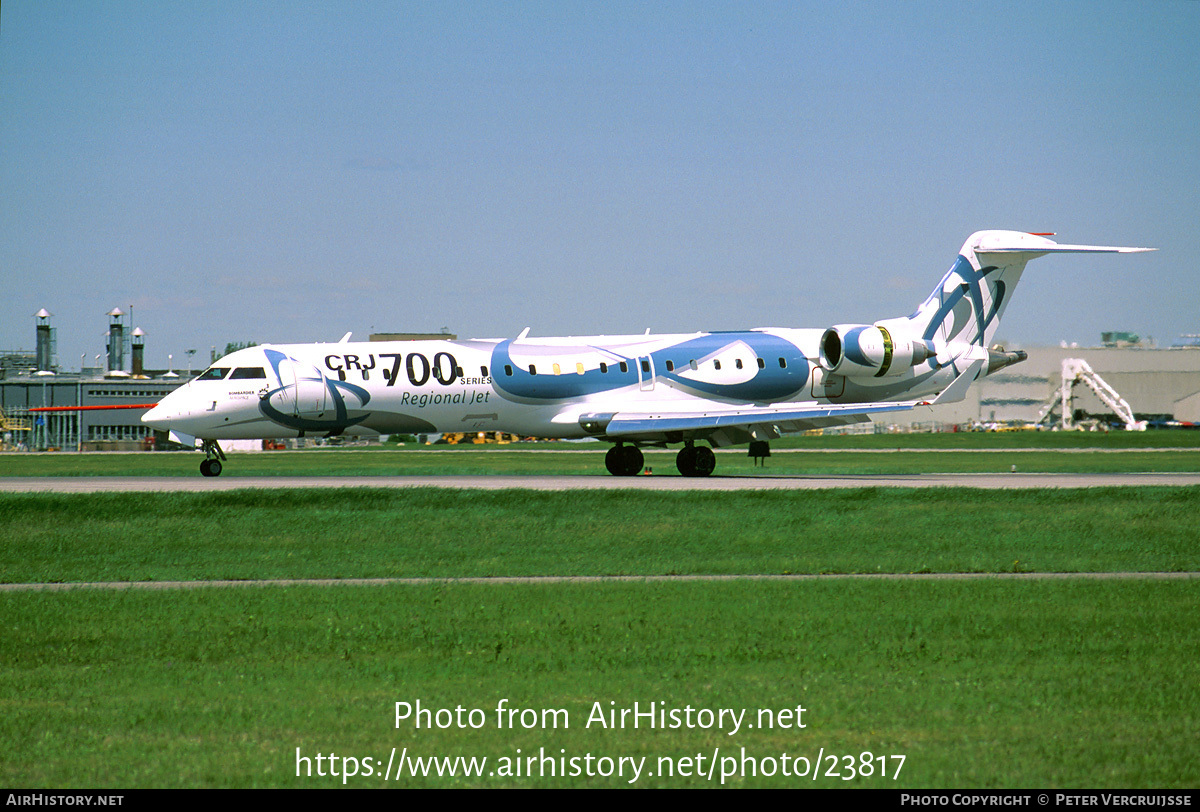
pixel 958 320
pixel 966 306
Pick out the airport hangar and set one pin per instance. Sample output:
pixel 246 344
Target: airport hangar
pixel 1160 384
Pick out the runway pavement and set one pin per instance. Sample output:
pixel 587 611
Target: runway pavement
pixel 199 484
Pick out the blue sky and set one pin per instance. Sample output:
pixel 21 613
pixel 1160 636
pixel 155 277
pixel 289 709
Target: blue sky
pixel 290 171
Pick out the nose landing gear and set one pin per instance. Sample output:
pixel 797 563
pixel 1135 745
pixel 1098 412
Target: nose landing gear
pixel 213 455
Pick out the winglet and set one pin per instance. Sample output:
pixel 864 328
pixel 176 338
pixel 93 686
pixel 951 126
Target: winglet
pixel 346 337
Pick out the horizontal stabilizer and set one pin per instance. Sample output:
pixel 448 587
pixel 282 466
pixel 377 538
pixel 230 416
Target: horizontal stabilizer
pixel 1066 249
pixel 1018 242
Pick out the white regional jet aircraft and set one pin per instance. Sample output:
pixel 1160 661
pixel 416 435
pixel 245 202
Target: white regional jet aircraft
pixel 724 388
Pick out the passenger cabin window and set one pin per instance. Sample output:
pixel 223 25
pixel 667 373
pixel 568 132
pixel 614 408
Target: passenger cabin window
pixel 532 369
pixel 624 367
pixel 783 363
pixel 716 364
pixel 483 371
pixel 670 366
pixel 579 367
pixel 762 364
pixel 738 363
pixel 508 370
pixel 645 365
pixel 557 369
pixel 241 373
pixel 603 368
pixel 213 374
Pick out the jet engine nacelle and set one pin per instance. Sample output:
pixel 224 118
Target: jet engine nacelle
pixel 871 350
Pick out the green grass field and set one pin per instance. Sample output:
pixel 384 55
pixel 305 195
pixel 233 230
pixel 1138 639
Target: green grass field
pixel 364 533
pixel 994 683
pixel 1064 440
pixel 999 684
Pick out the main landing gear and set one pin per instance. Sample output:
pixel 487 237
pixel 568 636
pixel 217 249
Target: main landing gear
pixel 692 460
pixel 624 460
pixel 695 460
pixel 212 458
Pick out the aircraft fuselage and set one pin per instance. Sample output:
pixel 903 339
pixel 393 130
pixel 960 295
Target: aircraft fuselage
pixel 533 386
pixel 720 387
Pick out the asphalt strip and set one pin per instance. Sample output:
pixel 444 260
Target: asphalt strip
pixel 199 484
pixel 608 579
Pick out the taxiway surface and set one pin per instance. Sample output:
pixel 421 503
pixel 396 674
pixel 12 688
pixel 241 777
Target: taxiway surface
pixel 198 484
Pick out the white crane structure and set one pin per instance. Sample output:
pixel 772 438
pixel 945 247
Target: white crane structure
pixel 1077 371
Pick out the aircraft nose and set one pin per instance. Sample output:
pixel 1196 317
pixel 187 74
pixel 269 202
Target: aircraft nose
pixel 159 418
pixel 167 413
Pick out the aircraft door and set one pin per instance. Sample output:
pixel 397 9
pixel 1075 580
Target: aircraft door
pixel 302 390
pixel 827 386
pixel 312 393
pixel 645 371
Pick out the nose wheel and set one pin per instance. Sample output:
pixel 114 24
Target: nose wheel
pixel 213 455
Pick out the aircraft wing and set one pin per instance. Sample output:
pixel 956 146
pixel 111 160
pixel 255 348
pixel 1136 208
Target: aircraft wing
pixel 629 424
pixel 790 418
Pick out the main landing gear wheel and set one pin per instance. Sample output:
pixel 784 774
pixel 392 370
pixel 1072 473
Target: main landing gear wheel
pixel 695 460
pixel 624 460
pixel 210 467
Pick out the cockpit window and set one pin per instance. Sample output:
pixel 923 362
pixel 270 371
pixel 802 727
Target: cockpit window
pixel 248 372
pixel 213 374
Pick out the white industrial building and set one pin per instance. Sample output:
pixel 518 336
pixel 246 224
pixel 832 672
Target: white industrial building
pixel 1157 384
